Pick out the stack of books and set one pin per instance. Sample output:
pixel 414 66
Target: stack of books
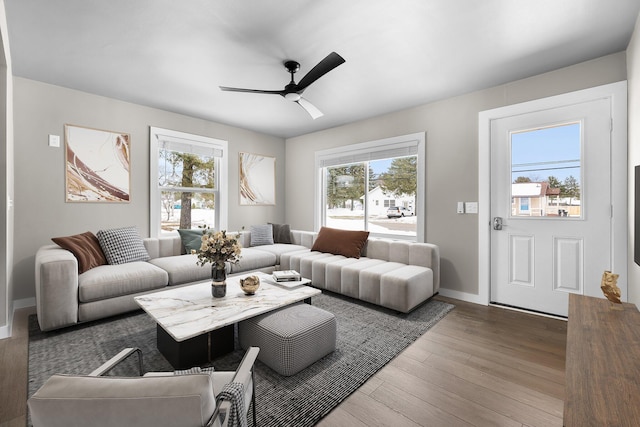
pixel 286 276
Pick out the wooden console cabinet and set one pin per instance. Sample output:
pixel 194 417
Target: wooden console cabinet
pixel 602 380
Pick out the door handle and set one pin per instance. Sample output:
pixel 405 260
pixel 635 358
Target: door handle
pixel 497 223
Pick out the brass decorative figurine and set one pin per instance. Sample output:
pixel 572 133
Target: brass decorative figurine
pixel 611 290
pixel 250 284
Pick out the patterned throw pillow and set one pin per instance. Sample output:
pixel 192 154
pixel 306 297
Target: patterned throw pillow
pixel 261 235
pixel 122 245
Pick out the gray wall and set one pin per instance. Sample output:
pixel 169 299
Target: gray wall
pixel 451 128
pixel 40 208
pixel 633 93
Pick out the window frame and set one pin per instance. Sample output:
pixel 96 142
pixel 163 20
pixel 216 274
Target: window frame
pixel 221 187
pixel 359 151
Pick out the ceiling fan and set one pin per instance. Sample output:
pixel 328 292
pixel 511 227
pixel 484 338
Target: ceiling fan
pixel 293 91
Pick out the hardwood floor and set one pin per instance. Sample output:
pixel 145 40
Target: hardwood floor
pixel 479 366
pixel 13 372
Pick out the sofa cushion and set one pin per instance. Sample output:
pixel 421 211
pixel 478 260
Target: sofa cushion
pixel 281 233
pixel 319 270
pixel 191 239
pixel 280 248
pixel 122 245
pixel 253 259
pixel 350 275
pixel 183 268
pixel 348 243
pixel 107 281
pixel 85 247
pixel 261 235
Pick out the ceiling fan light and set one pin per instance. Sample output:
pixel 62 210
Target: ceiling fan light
pixel 292 96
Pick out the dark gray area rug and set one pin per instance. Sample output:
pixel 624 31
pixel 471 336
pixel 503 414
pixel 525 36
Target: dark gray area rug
pixel 368 338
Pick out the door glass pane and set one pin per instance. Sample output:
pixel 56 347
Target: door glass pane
pixel 546 172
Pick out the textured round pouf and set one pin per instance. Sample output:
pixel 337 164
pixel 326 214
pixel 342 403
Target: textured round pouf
pixel 291 338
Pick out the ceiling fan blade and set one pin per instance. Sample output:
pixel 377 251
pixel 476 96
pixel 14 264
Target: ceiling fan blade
pixel 330 62
pixel 267 92
pixel 310 108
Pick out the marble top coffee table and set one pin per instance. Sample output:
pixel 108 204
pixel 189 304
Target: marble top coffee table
pixel 193 327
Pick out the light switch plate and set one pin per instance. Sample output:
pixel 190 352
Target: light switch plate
pixel 54 140
pixel 460 208
pixel 471 207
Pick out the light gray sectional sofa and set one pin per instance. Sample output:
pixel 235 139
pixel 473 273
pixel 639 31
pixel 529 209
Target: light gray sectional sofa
pixel 395 274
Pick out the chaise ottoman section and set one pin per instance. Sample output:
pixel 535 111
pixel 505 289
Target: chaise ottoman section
pixel 333 273
pixel 405 288
pixel 370 278
pixel 307 263
pixel 290 339
pixel 350 275
pixel 319 269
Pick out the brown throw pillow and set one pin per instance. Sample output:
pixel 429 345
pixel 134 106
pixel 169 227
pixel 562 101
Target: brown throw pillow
pixel 85 248
pixel 340 242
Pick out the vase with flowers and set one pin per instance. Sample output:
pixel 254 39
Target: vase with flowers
pixel 218 249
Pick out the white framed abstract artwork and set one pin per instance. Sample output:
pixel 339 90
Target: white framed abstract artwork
pixel 257 179
pixel 97 165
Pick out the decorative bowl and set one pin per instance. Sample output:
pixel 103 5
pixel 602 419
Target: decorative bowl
pixel 250 284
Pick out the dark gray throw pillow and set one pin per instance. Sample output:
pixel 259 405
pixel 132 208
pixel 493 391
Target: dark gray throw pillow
pixel 122 245
pixel 281 233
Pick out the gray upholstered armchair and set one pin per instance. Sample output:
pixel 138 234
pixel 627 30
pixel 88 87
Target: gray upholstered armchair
pixel 153 399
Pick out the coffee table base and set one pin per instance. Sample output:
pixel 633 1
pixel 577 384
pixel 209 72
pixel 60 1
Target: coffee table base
pixel 195 351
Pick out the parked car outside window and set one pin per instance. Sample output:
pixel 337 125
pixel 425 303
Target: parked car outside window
pixel 399 211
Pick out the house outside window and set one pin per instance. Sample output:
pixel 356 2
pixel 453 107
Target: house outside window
pixel 358 183
pixel 188 182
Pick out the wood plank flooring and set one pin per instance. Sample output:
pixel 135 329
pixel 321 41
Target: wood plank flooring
pixel 479 366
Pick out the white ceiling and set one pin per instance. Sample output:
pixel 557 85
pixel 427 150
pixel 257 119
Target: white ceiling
pixel 173 55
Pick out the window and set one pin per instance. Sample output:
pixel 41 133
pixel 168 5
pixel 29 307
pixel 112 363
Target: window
pixel 188 181
pixel 353 179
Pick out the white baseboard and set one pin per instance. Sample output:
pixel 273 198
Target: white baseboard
pixel 463 296
pixel 5 331
pixel 24 303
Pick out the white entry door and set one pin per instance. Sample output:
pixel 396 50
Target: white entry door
pixel 551 205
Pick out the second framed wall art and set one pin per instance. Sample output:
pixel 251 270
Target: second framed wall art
pixel 257 179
